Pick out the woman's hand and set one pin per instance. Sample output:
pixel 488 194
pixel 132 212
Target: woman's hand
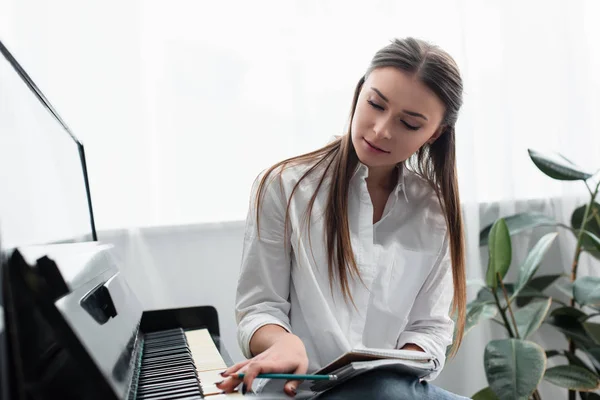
pixel 286 355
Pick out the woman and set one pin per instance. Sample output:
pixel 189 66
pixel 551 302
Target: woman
pixel 360 243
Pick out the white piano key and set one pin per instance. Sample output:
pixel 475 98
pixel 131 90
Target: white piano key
pixel 204 352
pixel 209 362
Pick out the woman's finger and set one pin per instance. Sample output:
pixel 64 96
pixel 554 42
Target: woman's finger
pixel 291 386
pixel 227 385
pixel 231 380
pixel 251 372
pixel 253 369
pixel 235 368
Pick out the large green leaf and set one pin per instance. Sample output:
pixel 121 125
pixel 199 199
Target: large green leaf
pixel 569 311
pixel 593 330
pixel 587 291
pixel 557 167
pixel 575 360
pixel 500 253
pixel 589 396
pixel 514 367
pixel 591 240
pixel 533 260
pixel 518 223
pixel 553 353
pixel 568 321
pixel 530 317
pixel 573 377
pixel 594 355
pixel 536 285
pixel 572 357
pixel 485 394
pixel 478 312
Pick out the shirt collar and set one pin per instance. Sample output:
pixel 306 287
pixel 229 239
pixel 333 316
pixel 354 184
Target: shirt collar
pixel 362 172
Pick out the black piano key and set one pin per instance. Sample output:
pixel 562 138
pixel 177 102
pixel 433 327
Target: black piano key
pixel 163 333
pixel 166 352
pixel 180 392
pixel 174 394
pixel 166 347
pixel 166 363
pixel 183 396
pixel 181 382
pixel 166 374
pixel 189 388
pixel 165 343
pixel 168 378
pixel 167 368
pixel 166 357
pixel 171 390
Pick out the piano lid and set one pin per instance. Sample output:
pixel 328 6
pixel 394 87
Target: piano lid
pixel 77 262
pixel 45 191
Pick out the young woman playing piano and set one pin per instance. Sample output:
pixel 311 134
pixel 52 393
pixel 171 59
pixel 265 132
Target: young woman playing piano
pixel 360 243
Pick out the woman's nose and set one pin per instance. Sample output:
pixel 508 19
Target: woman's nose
pixel 382 130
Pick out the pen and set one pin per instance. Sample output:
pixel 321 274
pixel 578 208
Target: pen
pixel 295 376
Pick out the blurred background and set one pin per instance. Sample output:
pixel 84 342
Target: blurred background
pixel 180 105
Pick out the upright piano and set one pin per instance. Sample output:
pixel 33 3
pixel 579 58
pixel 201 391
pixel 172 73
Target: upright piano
pixel 70 325
pixel 72 328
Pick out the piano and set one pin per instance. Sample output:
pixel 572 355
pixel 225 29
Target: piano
pixel 72 328
pixel 70 325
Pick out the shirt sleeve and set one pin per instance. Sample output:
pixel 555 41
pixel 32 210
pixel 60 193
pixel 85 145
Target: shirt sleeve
pixel 430 325
pixel 263 287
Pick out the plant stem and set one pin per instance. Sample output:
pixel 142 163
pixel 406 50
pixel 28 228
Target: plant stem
pixel 589 189
pixel 593 215
pixel 510 311
pixel 503 314
pixel 584 221
pixel 536 395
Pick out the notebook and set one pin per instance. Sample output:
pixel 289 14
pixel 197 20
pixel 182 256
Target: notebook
pixel 359 361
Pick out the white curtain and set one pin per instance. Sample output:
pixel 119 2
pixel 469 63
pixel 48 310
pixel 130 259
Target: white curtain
pixel 180 104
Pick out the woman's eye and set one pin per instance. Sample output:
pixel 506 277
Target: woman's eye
pixel 375 105
pixel 409 126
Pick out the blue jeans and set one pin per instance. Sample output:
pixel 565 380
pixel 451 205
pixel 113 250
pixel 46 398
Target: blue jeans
pixel 387 385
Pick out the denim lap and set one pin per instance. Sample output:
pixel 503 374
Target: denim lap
pixel 387 385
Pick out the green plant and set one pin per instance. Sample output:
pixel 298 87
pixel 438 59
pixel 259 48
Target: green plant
pixel 515 366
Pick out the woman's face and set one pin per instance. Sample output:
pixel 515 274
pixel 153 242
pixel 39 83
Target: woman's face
pixel 395 115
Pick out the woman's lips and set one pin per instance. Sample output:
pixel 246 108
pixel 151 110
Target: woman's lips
pixel 374 148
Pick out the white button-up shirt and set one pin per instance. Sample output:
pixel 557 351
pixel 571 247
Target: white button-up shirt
pixel 403 259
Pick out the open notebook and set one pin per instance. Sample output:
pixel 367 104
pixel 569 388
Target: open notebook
pixel 358 361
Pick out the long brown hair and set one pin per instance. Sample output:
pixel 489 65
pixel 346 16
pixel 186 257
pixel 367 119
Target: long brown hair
pixel 435 162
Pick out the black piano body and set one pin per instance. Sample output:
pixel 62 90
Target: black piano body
pixel 74 329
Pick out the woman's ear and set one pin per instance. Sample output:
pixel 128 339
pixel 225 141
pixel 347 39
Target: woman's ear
pixel 436 134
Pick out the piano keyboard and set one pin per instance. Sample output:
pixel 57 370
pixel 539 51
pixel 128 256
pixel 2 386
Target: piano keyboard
pixel 177 364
